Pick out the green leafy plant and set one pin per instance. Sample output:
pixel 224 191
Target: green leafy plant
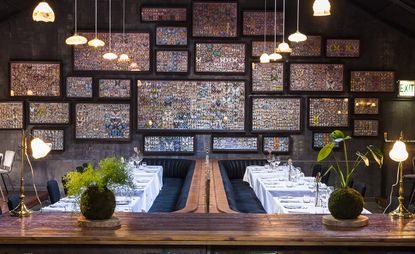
pixel 111 172
pixel 350 166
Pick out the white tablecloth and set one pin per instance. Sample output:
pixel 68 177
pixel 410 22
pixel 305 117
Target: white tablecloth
pixel 280 196
pixel 148 181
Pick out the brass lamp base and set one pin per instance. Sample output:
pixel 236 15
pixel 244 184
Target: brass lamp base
pixel 401 212
pixel 21 211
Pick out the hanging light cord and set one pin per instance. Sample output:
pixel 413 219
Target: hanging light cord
pixel 275 24
pixel 283 21
pixel 109 23
pixel 123 21
pixel 298 14
pixel 96 18
pixel 76 17
pixel 265 27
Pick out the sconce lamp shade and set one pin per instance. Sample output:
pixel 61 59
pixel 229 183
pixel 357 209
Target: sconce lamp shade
pixel 76 39
pixel 96 43
pixel 43 12
pixel 264 58
pixel 39 148
pixel 297 37
pixel 321 8
pixel 398 152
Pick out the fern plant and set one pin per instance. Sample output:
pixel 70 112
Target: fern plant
pixel 344 175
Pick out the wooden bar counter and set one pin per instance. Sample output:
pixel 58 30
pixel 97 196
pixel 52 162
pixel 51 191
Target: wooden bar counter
pixel 203 233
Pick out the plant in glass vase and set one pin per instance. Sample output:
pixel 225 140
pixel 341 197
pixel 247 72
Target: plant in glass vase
pixel 346 202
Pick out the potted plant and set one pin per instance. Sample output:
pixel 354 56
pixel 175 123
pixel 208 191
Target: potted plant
pixel 346 203
pixel 97 201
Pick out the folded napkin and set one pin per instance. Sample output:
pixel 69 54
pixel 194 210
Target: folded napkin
pixel 294 206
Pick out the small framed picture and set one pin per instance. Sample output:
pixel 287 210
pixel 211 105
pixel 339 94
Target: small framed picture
pixel 342 47
pixel 320 139
pixel 366 106
pixel 176 61
pixel 365 128
pixel 114 88
pixel 276 144
pixel 49 113
pixel 169 144
pixel 55 136
pixel 12 115
pixel 234 144
pixel 79 87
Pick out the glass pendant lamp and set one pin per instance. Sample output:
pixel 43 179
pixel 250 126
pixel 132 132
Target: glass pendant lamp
pixel 96 42
pixel 283 47
pixel 265 57
pixel 124 56
pixel 76 39
pixel 110 55
pixel 275 56
pixel 297 36
pixel 321 8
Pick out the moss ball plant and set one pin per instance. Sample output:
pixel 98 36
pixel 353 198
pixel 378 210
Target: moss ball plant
pixel 97 204
pixel 345 203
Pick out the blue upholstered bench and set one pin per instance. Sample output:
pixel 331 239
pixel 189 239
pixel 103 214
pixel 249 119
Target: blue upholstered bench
pixel 177 178
pixel 241 197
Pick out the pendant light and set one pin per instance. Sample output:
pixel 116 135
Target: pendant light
pixel 275 56
pixel 283 47
pixel 76 39
pixel 96 42
pixel 123 57
pixel 297 36
pixel 110 55
pixel 321 8
pixel 265 57
pixel 43 12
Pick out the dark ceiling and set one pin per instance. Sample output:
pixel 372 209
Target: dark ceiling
pixel 399 14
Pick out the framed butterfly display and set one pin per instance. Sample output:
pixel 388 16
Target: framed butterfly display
pixel 174 144
pixel 55 136
pixel 276 144
pixel 237 144
pixel 12 115
pixel 267 78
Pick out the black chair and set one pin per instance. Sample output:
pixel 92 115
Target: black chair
pixel 318 168
pixel 360 187
pixel 13 201
pixel 64 181
pixel 53 190
pixel 80 169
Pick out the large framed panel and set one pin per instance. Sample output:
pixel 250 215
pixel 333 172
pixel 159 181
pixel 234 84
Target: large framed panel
pixel 49 113
pixel 12 115
pixel 276 114
pixel 234 144
pixel 103 121
pixel 54 136
pixel 175 144
pixel 163 14
pixel 372 81
pixel 254 21
pixel 35 79
pixel 316 77
pixel 267 77
pixel 328 112
pixel 135 45
pixel 220 58
pixel 276 144
pixel 215 19
pixel 199 105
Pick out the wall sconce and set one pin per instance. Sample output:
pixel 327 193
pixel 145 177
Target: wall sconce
pixel 399 154
pixel 39 150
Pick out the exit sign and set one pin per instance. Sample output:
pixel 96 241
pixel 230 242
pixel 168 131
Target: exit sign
pixel 406 88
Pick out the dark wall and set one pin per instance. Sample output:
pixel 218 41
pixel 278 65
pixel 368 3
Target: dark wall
pixel 382 47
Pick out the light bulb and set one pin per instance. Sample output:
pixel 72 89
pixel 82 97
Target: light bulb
pixel 124 58
pixel 321 8
pixel 284 48
pixel 96 43
pixel 110 56
pixel 297 37
pixel 43 12
pixel 275 56
pixel 76 39
pixel 398 152
pixel 264 58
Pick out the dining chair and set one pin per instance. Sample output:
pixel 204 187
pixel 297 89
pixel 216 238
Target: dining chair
pixel 411 179
pixel 13 201
pixel 6 167
pixel 318 168
pixel 53 190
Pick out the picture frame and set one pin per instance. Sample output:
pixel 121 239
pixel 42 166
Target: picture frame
pixel 328 112
pixel 12 115
pixel 202 106
pixel 372 81
pixel 276 144
pixel 55 136
pixel 172 61
pixel 257 48
pixel 172 36
pixel 267 78
pixel 253 22
pixel 312 47
pixel 366 106
pixel 320 139
pixel 48 113
pixel 234 144
pixel 343 47
pixel 102 121
pixel 79 87
pixel 365 128
pixel 162 14
pixel 220 57
pixel 114 88
pixel 215 19
pixel 175 144
pixel 35 79
pixel 286 115
pixel 137 45
pixel 316 77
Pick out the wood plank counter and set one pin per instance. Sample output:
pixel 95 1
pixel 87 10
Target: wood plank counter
pixel 206 229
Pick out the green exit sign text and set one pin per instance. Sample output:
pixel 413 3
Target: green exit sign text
pixel 406 88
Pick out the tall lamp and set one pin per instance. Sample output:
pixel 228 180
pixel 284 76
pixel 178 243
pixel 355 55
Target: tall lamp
pixel 399 154
pixel 39 150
